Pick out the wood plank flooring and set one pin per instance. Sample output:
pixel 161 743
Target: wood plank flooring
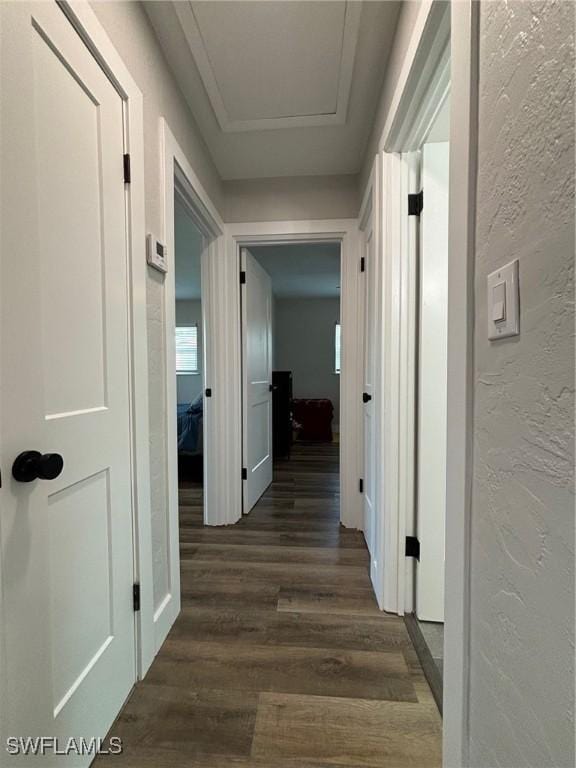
pixel 280 657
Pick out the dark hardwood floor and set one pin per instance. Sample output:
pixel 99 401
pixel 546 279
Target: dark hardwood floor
pixel 280 657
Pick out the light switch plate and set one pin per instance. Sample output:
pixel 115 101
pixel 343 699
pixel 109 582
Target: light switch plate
pixel 510 324
pixel 156 254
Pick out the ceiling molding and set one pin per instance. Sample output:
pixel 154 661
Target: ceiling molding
pixel 191 30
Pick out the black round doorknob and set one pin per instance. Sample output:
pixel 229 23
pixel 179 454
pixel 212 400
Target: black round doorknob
pixel 33 465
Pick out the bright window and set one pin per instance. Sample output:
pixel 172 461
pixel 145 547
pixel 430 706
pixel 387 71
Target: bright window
pixel 337 348
pixel 187 349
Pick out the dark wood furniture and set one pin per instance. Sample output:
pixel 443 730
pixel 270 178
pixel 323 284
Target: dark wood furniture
pixel 281 413
pixel 314 417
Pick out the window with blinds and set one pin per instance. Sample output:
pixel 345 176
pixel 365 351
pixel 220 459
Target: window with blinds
pixel 337 348
pixel 187 349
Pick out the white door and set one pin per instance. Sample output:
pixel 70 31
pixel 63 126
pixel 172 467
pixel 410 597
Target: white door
pixel 432 384
pixel 369 479
pixel 66 543
pixel 257 379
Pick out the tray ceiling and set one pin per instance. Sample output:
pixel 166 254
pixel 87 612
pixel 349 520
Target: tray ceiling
pixel 278 87
pixel 269 65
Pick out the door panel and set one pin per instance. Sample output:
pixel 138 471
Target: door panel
pixel 432 383
pixel 257 379
pixel 71 280
pixel 368 389
pixel 67 549
pixel 81 580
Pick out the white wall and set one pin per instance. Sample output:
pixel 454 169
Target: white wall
pixel 128 27
pixel 189 386
pixel 522 586
pixel 297 198
pixel 304 344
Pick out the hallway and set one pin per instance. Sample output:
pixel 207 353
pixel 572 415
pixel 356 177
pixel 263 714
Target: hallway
pixel 280 656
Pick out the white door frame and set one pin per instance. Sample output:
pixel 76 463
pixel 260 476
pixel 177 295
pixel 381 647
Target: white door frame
pixel 94 36
pixel 178 177
pixel 344 231
pixel 442 53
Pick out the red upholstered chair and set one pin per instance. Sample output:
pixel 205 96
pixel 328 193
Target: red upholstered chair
pixel 315 418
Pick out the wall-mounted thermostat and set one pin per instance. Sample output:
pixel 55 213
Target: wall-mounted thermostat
pixel 156 254
pixel 504 302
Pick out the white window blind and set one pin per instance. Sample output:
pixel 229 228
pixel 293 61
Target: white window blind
pixel 337 348
pixel 187 349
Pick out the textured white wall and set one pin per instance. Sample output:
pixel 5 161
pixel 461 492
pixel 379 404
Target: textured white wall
pixel 128 27
pixel 522 588
pixel 304 344
pixel 190 385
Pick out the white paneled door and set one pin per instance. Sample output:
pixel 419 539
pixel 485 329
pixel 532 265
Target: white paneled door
pixel 369 479
pixel 432 383
pixel 67 629
pixel 257 379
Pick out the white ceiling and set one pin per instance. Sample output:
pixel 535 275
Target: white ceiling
pixel 279 88
pixel 188 252
pixel 300 270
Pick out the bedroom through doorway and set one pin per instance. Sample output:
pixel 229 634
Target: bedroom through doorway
pixel 291 365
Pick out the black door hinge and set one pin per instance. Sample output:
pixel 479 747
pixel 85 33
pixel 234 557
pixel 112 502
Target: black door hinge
pixel 244 473
pixel 242 277
pixel 416 203
pixel 136 597
pixel 412 547
pixel 208 392
pixel 361 485
pixel 127 176
pixel 362 264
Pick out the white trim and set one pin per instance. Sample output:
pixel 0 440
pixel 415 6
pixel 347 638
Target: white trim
pixel 423 77
pixel 346 232
pixel 193 35
pixel 389 358
pixel 421 88
pixel 178 177
pixel 418 98
pixel 87 25
pixel 463 154
pixel 406 243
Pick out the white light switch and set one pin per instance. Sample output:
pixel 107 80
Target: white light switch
pixel 503 302
pixel 499 303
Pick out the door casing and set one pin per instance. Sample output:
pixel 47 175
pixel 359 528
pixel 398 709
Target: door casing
pixel 178 177
pixel 345 232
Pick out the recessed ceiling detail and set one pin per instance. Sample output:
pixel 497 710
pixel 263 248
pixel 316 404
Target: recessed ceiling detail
pixel 311 70
pixel 269 65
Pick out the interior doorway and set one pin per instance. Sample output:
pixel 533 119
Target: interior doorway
pixel 192 243
pixel 190 345
pixel 432 383
pixel 291 360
